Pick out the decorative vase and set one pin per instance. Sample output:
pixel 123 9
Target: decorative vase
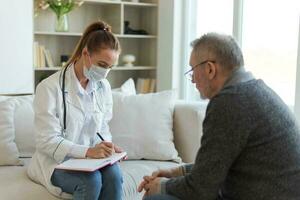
pixel 128 60
pixel 62 23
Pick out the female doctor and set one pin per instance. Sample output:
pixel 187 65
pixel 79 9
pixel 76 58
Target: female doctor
pixel 72 110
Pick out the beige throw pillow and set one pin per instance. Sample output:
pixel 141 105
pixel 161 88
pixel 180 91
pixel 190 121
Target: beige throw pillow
pixel 142 125
pixel 9 154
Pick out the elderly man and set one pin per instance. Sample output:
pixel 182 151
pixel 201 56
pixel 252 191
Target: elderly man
pixel 250 148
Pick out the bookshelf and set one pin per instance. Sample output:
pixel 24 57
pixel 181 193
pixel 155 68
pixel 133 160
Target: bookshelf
pixel 142 15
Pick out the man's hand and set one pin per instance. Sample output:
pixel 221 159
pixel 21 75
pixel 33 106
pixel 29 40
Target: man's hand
pixel 146 180
pixel 168 173
pixel 153 187
pixel 102 150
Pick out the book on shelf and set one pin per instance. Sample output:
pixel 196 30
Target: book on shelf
pixel 145 85
pixel 35 54
pixel 48 56
pixel 41 56
pixel 90 165
pixel 152 85
pixel 138 85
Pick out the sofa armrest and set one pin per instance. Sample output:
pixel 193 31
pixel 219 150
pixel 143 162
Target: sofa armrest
pixel 188 118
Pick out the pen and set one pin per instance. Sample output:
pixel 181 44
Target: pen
pixel 100 137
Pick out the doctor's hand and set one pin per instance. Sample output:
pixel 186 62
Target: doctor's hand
pixel 102 150
pixel 118 149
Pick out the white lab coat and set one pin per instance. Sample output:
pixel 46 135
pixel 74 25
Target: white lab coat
pixel 52 146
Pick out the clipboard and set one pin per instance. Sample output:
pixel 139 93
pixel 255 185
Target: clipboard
pixel 90 165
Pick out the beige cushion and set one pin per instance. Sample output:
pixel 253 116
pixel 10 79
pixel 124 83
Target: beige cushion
pixel 17 121
pixel 142 125
pixel 9 152
pixel 2 98
pixel 24 125
pixel 15 184
pixel 133 172
pixel 128 87
pixel 188 118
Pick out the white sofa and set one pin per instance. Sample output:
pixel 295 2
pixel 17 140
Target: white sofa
pixel 187 127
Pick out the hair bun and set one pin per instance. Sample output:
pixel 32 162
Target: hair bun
pixel 104 26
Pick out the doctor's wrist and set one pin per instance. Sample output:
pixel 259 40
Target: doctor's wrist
pixel 97 152
pixel 88 153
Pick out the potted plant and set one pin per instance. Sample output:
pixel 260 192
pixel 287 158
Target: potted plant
pixel 61 8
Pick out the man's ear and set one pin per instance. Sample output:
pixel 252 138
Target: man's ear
pixel 211 70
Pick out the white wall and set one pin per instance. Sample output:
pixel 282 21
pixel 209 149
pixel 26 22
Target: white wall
pixel 169 44
pixel 16 37
pixel 297 92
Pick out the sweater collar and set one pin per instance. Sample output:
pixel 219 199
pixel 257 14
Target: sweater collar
pixel 239 75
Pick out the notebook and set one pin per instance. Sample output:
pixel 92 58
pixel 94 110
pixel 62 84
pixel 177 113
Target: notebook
pixel 90 165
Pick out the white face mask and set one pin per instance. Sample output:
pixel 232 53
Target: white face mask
pixel 95 73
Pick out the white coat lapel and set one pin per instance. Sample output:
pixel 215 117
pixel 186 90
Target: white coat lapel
pixel 71 92
pixel 99 99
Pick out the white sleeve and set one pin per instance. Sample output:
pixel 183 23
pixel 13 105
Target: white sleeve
pixel 78 151
pixel 49 138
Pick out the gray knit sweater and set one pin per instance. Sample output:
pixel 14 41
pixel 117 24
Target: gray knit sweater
pixel 250 148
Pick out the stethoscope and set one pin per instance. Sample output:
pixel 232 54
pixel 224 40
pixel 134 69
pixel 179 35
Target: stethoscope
pixel 63 78
pixel 64 98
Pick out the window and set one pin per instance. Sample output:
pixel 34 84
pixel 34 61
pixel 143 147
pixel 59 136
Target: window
pixel 212 16
pixel 270 40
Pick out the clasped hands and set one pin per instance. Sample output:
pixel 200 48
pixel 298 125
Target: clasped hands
pixel 103 150
pixel 152 184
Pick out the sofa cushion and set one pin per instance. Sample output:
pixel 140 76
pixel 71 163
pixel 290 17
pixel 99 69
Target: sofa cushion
pixel 17 121
pixel 135 170
pixel 9 152
pixel 142 125
pixel 14 183
pixel 2 98
pixel 24 125
pixel 128 87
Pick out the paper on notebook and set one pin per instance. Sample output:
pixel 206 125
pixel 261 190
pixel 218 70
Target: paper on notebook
pixel 90 165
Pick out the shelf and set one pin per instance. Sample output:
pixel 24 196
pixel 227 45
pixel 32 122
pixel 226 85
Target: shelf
pixel 103 2
pixel 47 69
pixel 116 2
pixel 79 34
pixel 140 4
pixel 114 68
pixel 57 33
pixel 134 68
pixel 142 15
pixel 135 36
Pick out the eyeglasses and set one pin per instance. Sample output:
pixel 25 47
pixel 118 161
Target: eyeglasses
pixel 189 74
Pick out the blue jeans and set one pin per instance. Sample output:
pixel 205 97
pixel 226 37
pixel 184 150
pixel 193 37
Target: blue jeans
pixel 161 197
pixel 102 184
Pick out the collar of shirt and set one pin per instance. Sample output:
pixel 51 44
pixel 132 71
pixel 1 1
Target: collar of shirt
pixel 240 75
pixel 90 88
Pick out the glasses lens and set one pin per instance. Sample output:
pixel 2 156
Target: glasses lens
pixel 189 75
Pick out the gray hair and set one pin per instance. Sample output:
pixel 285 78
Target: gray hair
pixel 223 47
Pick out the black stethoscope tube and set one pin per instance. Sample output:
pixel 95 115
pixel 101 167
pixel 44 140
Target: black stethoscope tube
pixel 64 97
